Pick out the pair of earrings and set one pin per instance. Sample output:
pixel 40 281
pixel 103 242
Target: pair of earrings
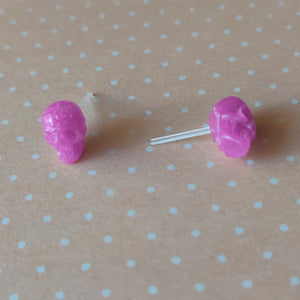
pixel 231 124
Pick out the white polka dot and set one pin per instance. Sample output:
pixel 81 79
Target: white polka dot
pixel 168 129
pixel 216 75
pixel 210 164
pixel 258 205
pixel 59 295
pixel 50 57
pixel 108 239
pixel 131 170
pixel 265 56
pixel 92 172
pixel 247 284
pixel 285 70
pixel 294 101
pixel 5 221
pixel 257 104
pixel 170 167
pixel 179 48
pixel 184 110
pixel 12 89
pixel 199 287
pixel 182 77
pixel 152 290
pixel 232 184
pixel 35 156
pixel 294 280
pixel 187 146
pixel 212 46
pixel 283 227
pixel 89 216
pixel 45 87
pixel 221 258
pixel 231 59
pixel 52 175
pixel 201 92
pixel 85 266
pixel 13 297
pixel 239 230
pixel 226 31
pixel 150 189
pixel 41 269
pixel 198 61
pixel 79 84
pixel 250 162
pixel 237 89
pixel 114 82
pixel 195 233
pixel 215 207
pixel 148 80
pixel 47 219
pixel 274 181
pixel 13 177
pixel 244 44
pixel 131 213
pixel 28 197
pixel 110 192
pixel 151 236
pixel 130 263
pixel 290 158
pixel 69 195
pixel 64 242
pixel 176 260
pixel 173 210
pixel 21 245
pixel 191 187
pixel 106 293
pixel 20 139
pixel 267 255
pixel 277 41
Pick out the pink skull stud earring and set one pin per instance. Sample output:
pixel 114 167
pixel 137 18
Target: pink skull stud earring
pixel 64 128
pixel 231 124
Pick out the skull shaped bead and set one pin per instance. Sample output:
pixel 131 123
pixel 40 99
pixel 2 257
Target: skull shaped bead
pixel 232 126
pixel 64 128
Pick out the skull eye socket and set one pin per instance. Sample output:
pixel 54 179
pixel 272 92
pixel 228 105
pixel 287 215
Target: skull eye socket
pixel 70 135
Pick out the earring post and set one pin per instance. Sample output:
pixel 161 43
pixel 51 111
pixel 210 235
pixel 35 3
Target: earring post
pixel 180 136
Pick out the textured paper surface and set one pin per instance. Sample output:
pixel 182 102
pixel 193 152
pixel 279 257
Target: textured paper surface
pixel 176 221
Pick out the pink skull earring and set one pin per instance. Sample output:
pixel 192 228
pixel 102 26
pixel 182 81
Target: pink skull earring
pixel 64 127
pixel 231 124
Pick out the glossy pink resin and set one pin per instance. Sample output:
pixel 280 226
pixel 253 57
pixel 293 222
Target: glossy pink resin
pixel 232 126
pixel 64 128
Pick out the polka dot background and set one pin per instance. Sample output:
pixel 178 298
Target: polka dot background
pixel 130 221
